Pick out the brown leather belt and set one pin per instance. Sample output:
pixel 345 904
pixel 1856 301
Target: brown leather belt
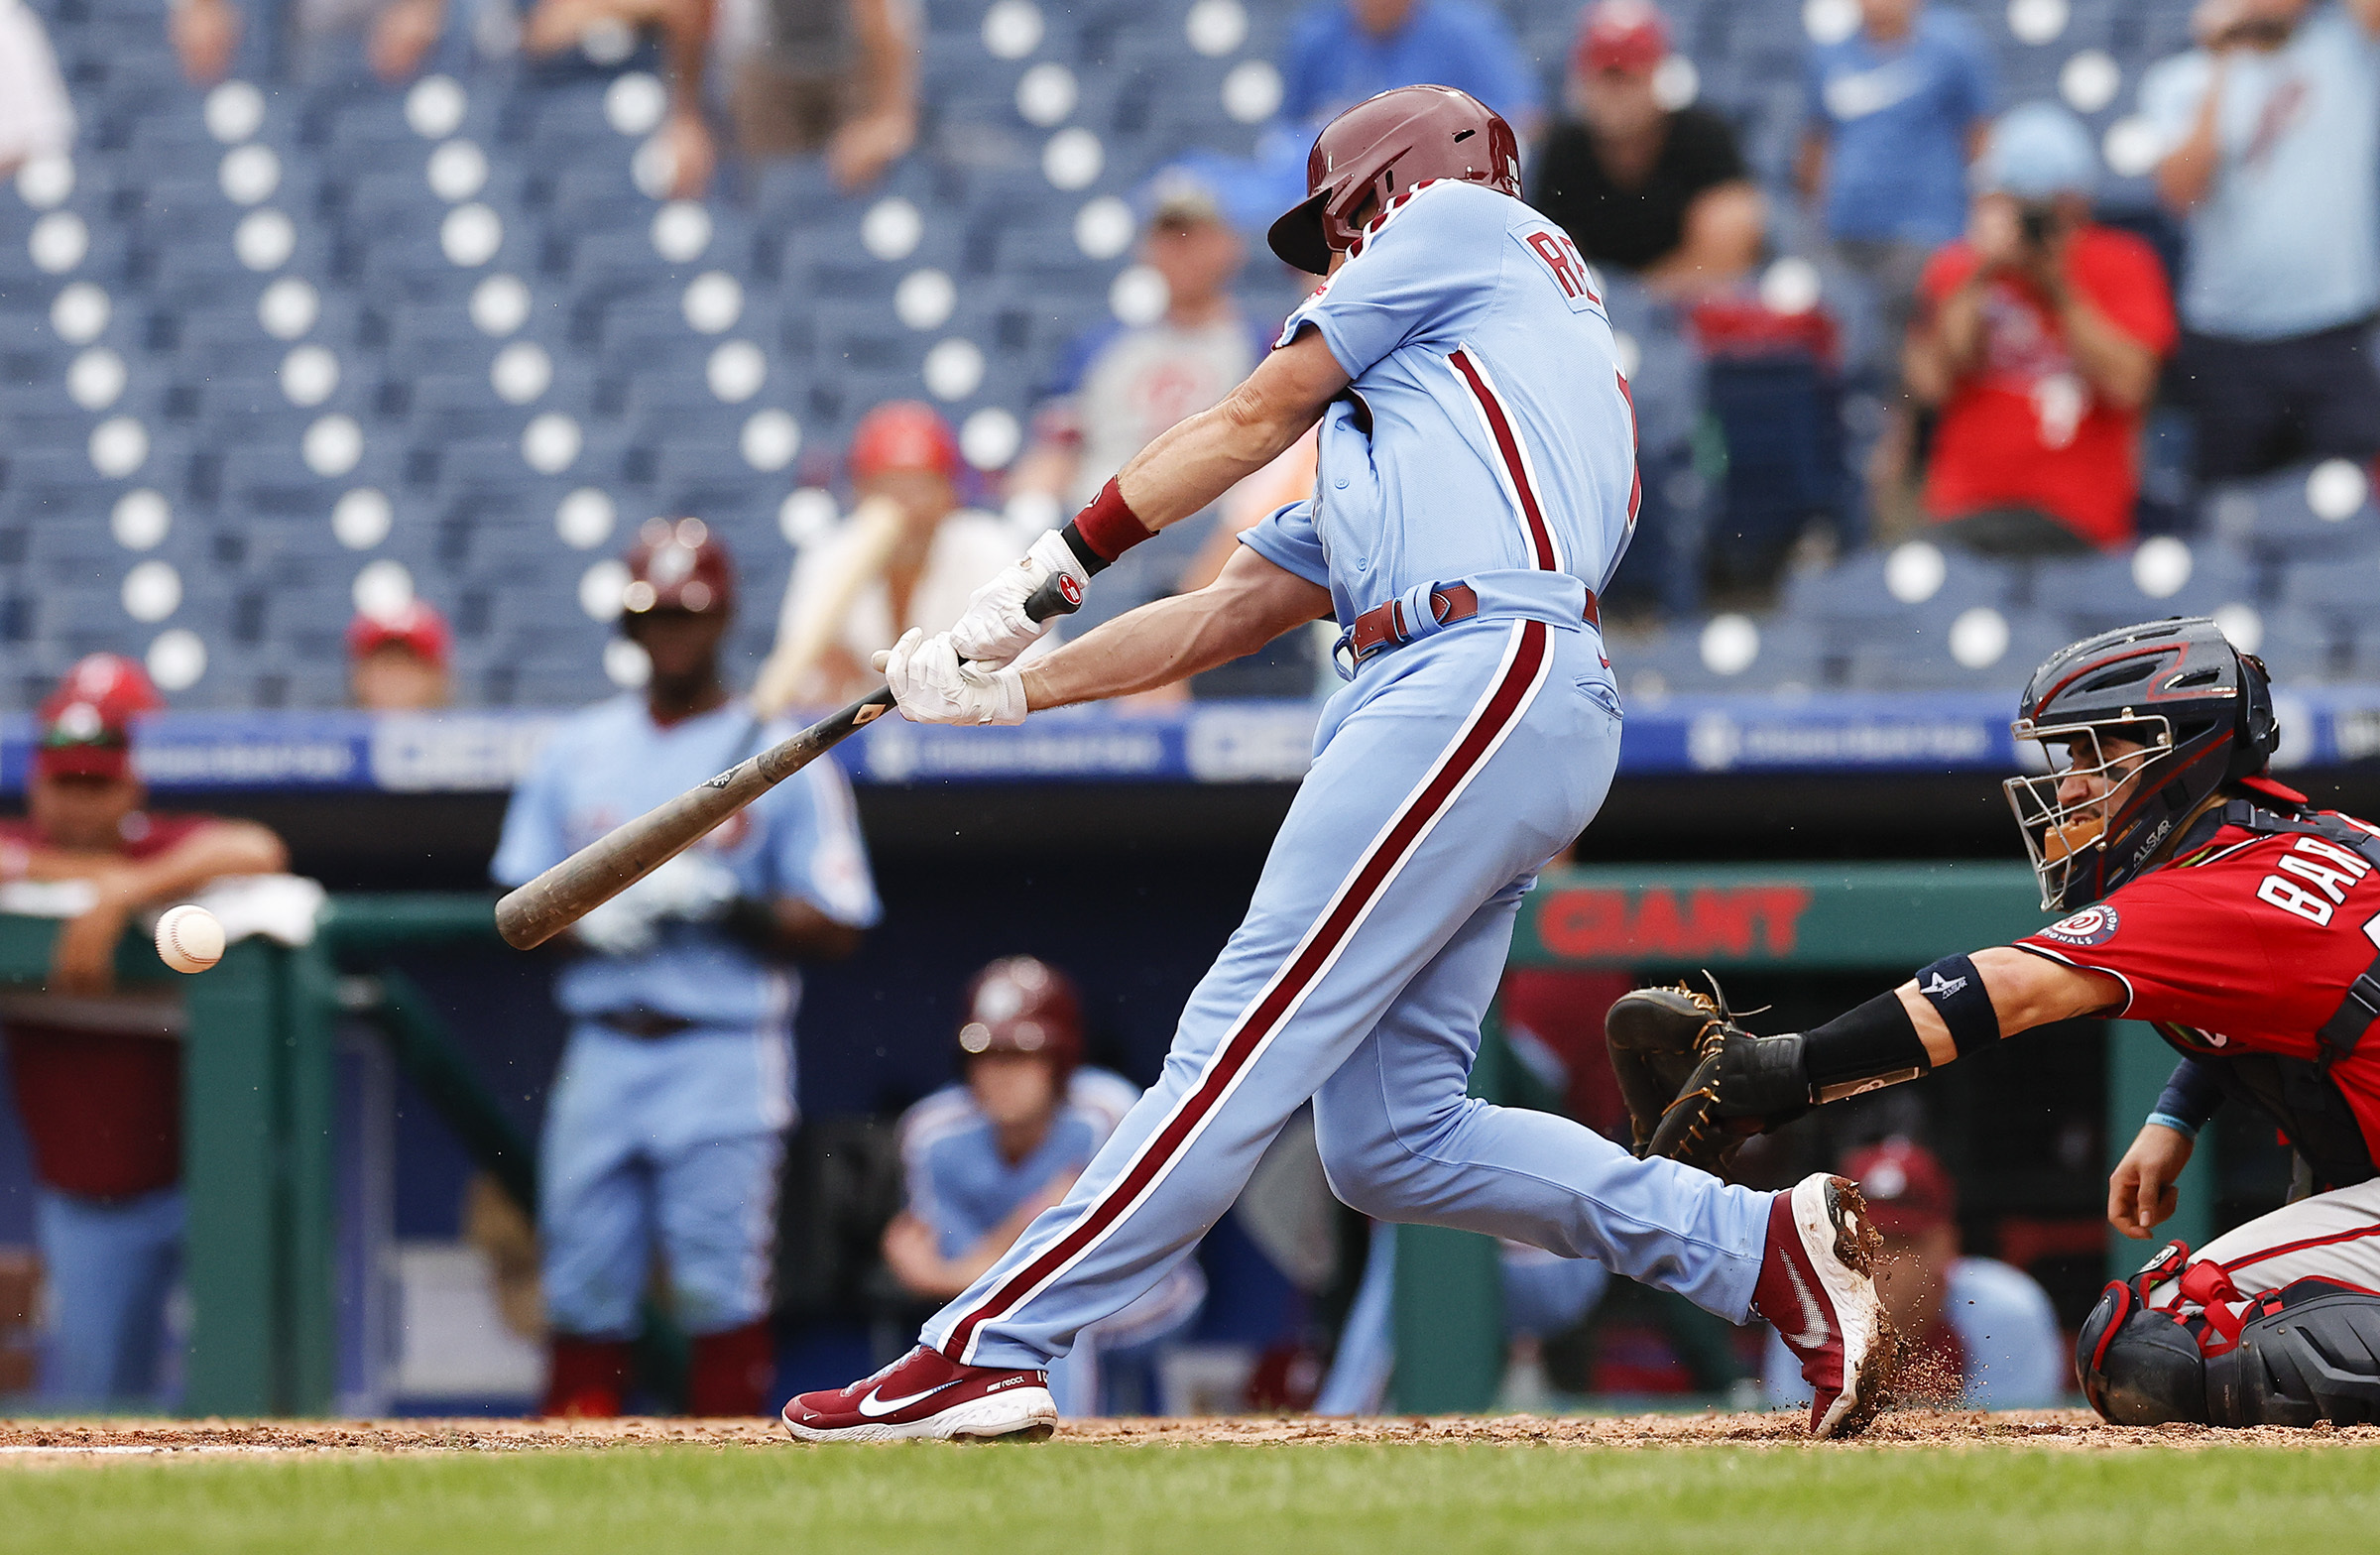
pixel 1384 626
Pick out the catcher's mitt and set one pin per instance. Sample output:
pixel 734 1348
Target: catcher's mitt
pixel 1697 1084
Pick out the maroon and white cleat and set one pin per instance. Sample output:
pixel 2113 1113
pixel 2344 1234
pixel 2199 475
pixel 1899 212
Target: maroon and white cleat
pixel 923 1396
pixel 1818 1290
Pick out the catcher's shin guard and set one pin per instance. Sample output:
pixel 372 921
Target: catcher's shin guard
pixel 2307 1351
pixel 2140 1364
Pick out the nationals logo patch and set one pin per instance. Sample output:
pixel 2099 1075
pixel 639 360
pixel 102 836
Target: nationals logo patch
pixel 2091 926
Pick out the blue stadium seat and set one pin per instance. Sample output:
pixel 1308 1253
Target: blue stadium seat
pixel 2100 593
pixel 2273 516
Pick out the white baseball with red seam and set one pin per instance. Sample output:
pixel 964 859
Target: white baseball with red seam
pixel 189 939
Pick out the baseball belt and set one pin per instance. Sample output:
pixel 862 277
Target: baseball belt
pixel 1384 626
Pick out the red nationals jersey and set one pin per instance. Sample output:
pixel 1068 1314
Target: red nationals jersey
pixel 2245 941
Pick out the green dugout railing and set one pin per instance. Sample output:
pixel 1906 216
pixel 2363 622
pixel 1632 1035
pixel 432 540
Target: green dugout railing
pixel 1888 918
pixel 261 1044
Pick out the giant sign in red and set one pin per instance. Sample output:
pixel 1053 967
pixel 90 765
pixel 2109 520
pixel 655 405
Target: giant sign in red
pixel 1658 924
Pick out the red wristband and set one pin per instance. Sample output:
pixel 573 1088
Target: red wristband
pixel 1108 526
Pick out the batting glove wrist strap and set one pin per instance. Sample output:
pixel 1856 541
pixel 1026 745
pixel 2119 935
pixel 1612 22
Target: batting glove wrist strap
pixel 1105 530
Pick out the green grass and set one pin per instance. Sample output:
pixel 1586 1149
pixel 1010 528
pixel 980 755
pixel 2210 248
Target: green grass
pixel 1275 1501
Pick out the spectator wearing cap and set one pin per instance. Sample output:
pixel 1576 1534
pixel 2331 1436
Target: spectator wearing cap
pixel 794 77
pixel 398 660
pixel 1660 192
pixel 1342 52
pixel 906 451
pixel 1976 1330
pixel 97 1069
pixel 2037 344
pixel 2270 137
pixel 1894 113
pixel 980 1158
pixel 665 1132
pixel 1118 386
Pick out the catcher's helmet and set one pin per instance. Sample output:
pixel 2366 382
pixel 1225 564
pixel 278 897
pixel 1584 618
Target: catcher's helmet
pixel 2201 709
pixel 1021 1005
pixel 1382 146
pixel 677 564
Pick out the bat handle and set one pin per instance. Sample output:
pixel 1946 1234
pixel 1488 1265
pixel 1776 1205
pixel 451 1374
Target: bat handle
pixel 1058 595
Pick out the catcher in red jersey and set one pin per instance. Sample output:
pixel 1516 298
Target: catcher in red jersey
pixel 2209 900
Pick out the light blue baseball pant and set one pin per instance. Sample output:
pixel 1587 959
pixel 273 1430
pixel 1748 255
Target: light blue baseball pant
pixel 110 1266
pixel 1445 775
pixel 607 1197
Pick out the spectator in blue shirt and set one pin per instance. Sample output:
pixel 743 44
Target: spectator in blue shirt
pixel 2270 137
pixel 1344 50
pixel 1896 110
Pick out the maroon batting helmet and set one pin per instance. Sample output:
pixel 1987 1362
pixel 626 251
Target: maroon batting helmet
pixel 1381 148
pixel 1021 1005
pixel 678 564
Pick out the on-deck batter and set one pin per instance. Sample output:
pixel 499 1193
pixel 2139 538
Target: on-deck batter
pixel 1477 486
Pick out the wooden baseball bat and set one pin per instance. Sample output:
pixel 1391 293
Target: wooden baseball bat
pixel 533 913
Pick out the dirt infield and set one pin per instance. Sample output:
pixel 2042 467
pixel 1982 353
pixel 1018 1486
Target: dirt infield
pixel 119 1441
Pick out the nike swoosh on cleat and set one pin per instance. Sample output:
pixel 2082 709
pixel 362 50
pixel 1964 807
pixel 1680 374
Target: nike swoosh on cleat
pixel 1815 1331
pixel 875 1408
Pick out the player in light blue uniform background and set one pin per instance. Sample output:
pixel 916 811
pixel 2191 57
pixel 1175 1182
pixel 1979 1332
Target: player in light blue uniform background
pixel 979 1160
pixel 1477 484
pixel 666 1123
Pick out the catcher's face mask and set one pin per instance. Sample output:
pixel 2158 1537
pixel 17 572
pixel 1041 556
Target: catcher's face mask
pixel 2089 795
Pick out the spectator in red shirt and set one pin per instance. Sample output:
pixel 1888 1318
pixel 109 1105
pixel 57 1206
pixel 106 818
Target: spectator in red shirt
pixel 2037 343
pixel 97 1072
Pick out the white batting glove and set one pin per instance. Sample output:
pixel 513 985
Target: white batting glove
pixel 933 687
pixel 692 886
pixel 996 628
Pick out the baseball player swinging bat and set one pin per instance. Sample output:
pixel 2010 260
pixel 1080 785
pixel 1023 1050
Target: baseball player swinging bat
pixel 533 913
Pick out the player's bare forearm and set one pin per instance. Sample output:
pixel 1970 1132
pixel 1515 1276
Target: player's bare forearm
pixel 1249 604
pixel 2026 991
pixel 1199 458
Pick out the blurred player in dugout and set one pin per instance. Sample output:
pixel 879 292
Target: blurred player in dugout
pixel 665 1128
pixel 979 1160
pixel 97 1069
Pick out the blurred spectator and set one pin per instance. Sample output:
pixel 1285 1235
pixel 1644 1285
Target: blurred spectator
pixel 2272 130
pixel 666 1127
pixel 1973 1329
pixel 319 39
pixel 1661 192
pixel 795 77
pixel 36 117
pixel 904 451
pixel 2038 344
pixel 685 31
pixel 1120 385
pixel 982 1158
pixel 1342 52
pixel 97 1070
pixel 398 663
pixel 1896 110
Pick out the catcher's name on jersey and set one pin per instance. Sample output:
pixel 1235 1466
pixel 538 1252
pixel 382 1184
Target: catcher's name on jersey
pixel 2248 942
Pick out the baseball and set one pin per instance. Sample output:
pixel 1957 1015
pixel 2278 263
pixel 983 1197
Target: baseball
pixel 189 939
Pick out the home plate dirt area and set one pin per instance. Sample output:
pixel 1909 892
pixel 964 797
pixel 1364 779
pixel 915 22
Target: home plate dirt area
pixel 134 1441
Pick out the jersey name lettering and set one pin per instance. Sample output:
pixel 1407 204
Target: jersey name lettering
pixel 1561 256
pixel 2333 882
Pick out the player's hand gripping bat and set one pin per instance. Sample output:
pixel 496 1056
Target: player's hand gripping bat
pixel 595 874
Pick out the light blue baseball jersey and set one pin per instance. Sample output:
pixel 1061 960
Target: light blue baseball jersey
pixel 961 1185
pixel 612 763
pixel 1486 429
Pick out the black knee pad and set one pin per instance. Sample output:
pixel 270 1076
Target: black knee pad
pixel 2310 1351
pixel 2140 1366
